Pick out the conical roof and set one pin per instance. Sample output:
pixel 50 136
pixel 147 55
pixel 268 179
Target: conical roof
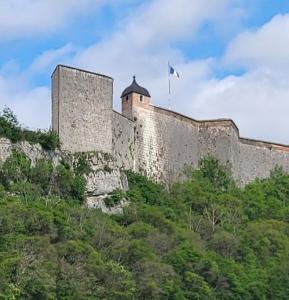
pixel 135 88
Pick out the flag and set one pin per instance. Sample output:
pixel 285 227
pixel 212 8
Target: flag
pixel 173 72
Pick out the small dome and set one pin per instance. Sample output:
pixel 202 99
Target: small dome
pixel 135 88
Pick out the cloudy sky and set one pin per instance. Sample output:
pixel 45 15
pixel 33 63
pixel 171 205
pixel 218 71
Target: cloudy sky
pixel 232 56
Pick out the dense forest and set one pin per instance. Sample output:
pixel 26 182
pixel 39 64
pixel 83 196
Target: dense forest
pixel 202 238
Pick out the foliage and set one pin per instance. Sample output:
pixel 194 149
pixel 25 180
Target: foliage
pixel 144 190
pixel 81 164
pixel 12 130
pixel 203 239
pixel 17 175
pixel 114 198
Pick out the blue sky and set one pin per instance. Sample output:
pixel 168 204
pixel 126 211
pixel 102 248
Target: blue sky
pixel 232 55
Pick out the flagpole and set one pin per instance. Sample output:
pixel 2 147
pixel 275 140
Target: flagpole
pixel 169 86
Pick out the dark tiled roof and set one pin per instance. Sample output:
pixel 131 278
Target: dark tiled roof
pixel 135 88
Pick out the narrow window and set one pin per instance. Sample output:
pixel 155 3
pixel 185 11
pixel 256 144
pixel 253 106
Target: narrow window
pixel 126 98
pixel 141 98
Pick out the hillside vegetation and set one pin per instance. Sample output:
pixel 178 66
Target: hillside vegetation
pixel 205 239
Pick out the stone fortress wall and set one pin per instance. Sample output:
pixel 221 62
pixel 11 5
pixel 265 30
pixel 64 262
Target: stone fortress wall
pixel 82 109
pixel 157 142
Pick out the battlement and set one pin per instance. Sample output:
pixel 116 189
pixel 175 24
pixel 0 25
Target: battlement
pixel 152 140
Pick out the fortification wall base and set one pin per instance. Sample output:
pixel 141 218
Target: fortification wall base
pixel 166 142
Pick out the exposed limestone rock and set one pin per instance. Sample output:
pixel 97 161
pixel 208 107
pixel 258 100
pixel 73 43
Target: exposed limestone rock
pixel 98 203
pixel 104 176
pixel 5 149
pixel 33 151
pixel 101 182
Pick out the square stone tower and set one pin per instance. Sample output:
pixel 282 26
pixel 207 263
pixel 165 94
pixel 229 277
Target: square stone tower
pixel 82 109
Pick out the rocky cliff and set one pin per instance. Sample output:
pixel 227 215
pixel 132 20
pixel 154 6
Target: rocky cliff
pixel 101 172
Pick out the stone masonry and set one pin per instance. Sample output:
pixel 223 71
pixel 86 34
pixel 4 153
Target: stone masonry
pixel 82 110
pixel 154 141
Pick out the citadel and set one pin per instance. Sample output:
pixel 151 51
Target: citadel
pixel 151 140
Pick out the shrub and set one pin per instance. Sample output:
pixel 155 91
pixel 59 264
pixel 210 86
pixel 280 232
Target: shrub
pixel 115 198
pixel 29 191
pixel 15 169
pixel 49 140
pixel 2 191
pixel 219 175
pixel 42 174
pixel 12 130
pixel 78 188
pixel 143 189
pixel 68 185
pixel 17 175
pixel 81 165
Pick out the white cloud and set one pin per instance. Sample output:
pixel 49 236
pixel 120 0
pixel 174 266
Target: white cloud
pixel 142 45
pixel 257 101
pixel 265 47
pixel 28 17
pixel 31 105
pixel 165 21
pixel 49 58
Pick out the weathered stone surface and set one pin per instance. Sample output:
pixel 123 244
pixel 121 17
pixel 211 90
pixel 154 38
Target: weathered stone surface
pixel 123 142
pixel 101 182
pixel 167 141
pixel 98 203
pixel 82 109
pixel 164 144
pixel 5 149
pixel 104 177
pixel 33 151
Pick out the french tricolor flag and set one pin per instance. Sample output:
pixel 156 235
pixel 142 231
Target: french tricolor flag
pixel 173 71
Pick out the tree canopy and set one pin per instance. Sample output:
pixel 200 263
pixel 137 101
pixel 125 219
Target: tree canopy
pixel 203 239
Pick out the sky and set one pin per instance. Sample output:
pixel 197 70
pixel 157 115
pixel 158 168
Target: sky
pixel 232 56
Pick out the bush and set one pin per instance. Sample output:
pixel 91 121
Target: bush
pixel 2 191
pixel 15 169
pixel 17 175
pixel 42 174
pixel 115 198
pixel 145 190
pixel 217 174
pixel 78 188
pixel 12 130
pixel 81 165
pixel 67 184
pixel 29 191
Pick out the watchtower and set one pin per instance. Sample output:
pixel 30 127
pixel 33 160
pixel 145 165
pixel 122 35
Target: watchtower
pixel 134 96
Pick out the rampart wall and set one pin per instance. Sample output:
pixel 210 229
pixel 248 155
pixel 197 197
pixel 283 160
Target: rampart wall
pixel 154 141
pixel 257 159
pixel 123 141
pixel 164 144
pixel 167 141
